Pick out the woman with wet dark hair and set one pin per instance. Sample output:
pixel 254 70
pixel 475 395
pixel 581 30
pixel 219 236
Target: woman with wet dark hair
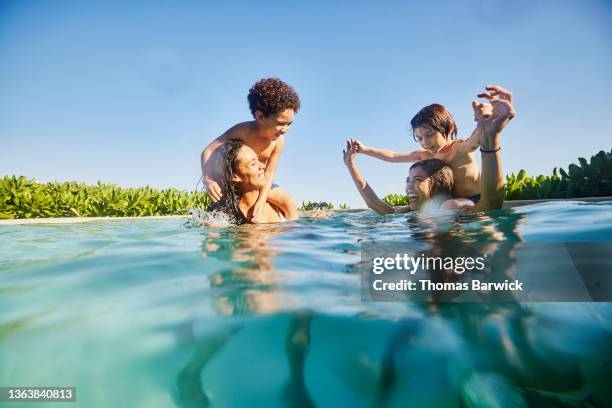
pixel 243 178
pixel 433 178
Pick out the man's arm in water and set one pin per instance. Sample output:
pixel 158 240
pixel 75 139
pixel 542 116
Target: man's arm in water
pixel 366 192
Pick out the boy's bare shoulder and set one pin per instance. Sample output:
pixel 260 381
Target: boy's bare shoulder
pixel 239 131
pixel 455 149
pixel 270 148
pixel 280 142
pixel 455 144
pixel 424 154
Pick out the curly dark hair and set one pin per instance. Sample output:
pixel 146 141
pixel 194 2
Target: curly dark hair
pixel 230 200
pixel 438 117
pixel 271 95
pixel 441 175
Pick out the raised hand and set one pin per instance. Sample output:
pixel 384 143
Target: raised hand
pixel 350 151
pixel 481 110
pixel 360 147
pixel 501 111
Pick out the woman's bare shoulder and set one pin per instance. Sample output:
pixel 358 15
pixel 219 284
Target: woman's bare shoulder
pixel 462 204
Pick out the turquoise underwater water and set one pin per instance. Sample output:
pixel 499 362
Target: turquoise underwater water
pixel 157 313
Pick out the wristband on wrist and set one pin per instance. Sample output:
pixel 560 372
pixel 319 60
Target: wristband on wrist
pixel 490 151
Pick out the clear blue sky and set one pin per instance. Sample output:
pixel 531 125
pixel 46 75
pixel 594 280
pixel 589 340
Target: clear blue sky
pixel 131 92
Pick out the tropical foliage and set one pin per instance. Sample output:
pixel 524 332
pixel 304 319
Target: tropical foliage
pixel 396 199
pixel 587 179
pixel 24 198
pixel 321 205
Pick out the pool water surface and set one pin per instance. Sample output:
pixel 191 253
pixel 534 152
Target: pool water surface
pixel 157 313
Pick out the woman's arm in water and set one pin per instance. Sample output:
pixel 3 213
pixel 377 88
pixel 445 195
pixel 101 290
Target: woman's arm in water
pixel 492 178
pixel 368 195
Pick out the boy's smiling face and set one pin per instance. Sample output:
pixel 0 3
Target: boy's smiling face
pixel 430 139
pixel 276 124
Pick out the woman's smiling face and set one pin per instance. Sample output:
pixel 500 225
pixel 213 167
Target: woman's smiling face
pixel 418 187
pixel 250 174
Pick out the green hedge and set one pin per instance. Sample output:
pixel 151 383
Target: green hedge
pixel 586 179
pixel 24 198
pixel 321 205
pixel 396 199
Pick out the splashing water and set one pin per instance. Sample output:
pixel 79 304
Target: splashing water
pixel 213 219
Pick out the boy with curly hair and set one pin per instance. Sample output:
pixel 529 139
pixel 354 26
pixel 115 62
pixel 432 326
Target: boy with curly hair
pixel 273 104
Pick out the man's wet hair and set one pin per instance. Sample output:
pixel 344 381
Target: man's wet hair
pixel 441 175
pixel 438 117
pixel 271 95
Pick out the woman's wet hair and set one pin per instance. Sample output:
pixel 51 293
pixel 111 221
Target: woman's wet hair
pixel 438 118
pixel 440 174
pixel 230 200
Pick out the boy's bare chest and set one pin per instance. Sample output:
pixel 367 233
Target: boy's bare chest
pixel 263 147
pixel 457 160
pixel 263 152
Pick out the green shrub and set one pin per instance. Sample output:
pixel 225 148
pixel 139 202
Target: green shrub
pixel 322 205
pixel 396 199
pixel 588 179
pixel 24 198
